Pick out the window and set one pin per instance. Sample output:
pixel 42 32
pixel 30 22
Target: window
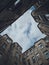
pixel 40 45
pixel 41 64
pixel 24 62
pixel 48 64
pixel 47 16
pixel 0 56
pixel 20 58
pixel 25 54
pixel 29 62
pixel 8 40
pixel 17 1
pixel 28 54
pixel 37 56
pixel 33 58
pixel 30 50
pixel 4 46
pixel 46 53
pixel 47 40
pixel 16 63
pixel 19 49
pixel 5 35
pixel 17 55
pixel 40 2
pixel 37 18
pixel 13 45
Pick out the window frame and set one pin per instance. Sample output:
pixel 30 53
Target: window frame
pixel 34 59
pixel 46 54
pixel 41 46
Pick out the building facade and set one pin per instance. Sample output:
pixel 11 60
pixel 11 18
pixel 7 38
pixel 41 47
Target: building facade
pixel 10 53
pixel 37 54
pixel 11 10
pixel 41 15
pixel 5 43
pixel 15 56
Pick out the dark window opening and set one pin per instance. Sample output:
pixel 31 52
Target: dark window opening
pixel 33 58
pixel 4 46
pixel 29 62
pixel 16 63
pixel 46 53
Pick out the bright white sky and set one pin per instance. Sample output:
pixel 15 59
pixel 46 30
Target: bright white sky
pixel 24 31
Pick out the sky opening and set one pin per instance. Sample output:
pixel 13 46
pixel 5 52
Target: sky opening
pixel 24 30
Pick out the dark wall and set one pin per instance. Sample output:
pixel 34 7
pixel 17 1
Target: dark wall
pixel 9 12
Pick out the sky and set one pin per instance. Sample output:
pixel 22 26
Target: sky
pixel 24 31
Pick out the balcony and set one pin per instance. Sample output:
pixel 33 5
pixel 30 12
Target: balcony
pixel 44 28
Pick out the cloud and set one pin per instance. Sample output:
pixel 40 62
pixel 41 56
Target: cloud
pixel 27 31
pixel 24 31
